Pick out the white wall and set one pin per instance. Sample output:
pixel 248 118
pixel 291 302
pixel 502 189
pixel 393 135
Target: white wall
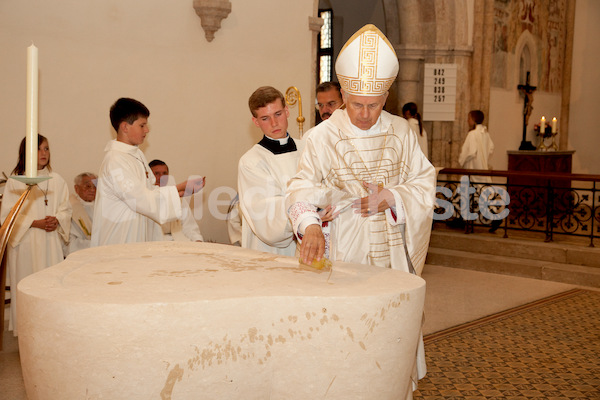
pixel 505 122
pixel 93 52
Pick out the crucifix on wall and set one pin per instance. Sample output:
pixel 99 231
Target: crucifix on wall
pixel 527 91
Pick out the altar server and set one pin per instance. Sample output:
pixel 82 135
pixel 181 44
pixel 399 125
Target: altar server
pixel 129 206
pixel 368 164
pixel 263 173
pixel 478 146
pixel 42 226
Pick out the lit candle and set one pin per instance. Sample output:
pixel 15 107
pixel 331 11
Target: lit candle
pixel 31 141
pixel 554 125
pixel 543 125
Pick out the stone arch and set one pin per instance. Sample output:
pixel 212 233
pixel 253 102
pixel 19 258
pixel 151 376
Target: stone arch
pixel 526 50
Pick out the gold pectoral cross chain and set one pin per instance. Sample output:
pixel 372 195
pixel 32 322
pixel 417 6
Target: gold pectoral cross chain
pixel 373 177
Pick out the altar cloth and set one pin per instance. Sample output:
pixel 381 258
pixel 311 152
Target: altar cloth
pixel 176 320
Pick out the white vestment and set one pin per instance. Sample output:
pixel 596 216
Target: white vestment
pixel 476 152
pixel 336 160
pixel 234 222
pixel 262 181
pixel 30 249
pixel 331 170
pixel 81 224
pixel 129 206
pixel 422 138
pixel 185 229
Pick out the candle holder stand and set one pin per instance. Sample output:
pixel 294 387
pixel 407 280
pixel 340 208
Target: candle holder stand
pixel 547 134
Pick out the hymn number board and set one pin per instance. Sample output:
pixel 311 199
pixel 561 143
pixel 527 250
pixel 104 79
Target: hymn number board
pixel 439 93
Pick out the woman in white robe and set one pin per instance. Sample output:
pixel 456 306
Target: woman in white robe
pixel 42 226
pixel 411 113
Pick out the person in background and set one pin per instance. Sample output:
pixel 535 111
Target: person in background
pixel 478 146
pixel 329 99
pixel 475 154
pixel 186 228
pixel 411 113
pixel 41 228
pixel 82 202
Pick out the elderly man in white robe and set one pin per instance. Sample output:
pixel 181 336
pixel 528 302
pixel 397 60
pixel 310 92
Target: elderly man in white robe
pixel 368 164
pixel 82 202
pixel 185 229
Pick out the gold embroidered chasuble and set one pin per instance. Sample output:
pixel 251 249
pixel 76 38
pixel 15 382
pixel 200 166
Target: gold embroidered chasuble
pixel 332 168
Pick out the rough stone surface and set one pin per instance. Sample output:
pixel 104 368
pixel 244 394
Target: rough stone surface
pixel 207 321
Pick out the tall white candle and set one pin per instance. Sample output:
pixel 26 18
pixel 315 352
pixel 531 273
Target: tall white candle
pixel 543 125
pixel 554 125
pixel 31 135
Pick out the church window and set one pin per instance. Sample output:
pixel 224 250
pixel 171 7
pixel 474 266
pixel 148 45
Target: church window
pixel 325 52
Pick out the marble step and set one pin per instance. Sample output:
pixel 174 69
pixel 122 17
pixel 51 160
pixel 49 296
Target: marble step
pixel 495 244
pixel 523 267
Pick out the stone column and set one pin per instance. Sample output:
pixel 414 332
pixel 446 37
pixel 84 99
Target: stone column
pixel 563 129
pixel 314 25
pixel 431 31
pixel 486 60
pixel 410 51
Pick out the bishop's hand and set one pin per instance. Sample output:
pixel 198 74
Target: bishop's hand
pixel 313 244
pixel 379 199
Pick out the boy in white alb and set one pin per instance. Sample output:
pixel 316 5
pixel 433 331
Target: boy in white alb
pixel 129 206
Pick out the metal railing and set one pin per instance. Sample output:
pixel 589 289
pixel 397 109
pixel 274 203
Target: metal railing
pixel 552 203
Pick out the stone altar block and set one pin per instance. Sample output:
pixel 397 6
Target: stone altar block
pixel 171 320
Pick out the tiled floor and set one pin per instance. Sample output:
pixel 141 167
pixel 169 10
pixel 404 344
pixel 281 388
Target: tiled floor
pixel 454 296
pixel 549 349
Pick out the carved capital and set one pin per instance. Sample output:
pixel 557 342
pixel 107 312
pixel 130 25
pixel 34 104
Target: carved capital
pixel 211 13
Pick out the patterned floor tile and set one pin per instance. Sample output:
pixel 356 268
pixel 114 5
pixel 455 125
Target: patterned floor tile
pixel 548 349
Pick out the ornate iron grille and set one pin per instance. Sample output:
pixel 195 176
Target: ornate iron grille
pixel 557 204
